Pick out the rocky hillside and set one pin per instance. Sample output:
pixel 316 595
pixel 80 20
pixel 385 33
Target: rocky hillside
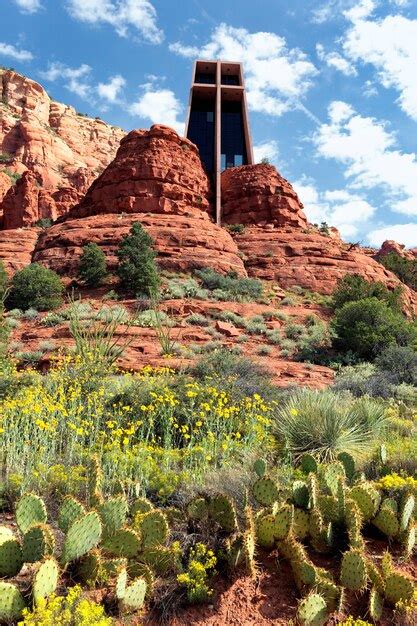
pixel 67 180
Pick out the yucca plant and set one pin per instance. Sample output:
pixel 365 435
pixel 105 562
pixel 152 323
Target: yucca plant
pixel 325 423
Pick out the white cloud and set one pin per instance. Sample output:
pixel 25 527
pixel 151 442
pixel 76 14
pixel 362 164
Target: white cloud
pixel 402 233
pixel 359 11
pixel 276 77
pixel 28 6
pixel 335 60
pixel 266 150
pixel 160 106
pixel 338 208
pixel 389 44
pixel 14 53
pixel 121 14
pixel 110 91
pixel 76 78
pixel 367 149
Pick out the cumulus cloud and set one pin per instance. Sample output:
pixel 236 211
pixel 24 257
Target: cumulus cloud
pixel 266 150
pixel 159 106
pixel 389 44
pixel 347 211
pixel 335 60
pixel 8 50
pixel 123 15
pixel 110 91
pixel 277 77
pixel 76 79
pixel 368 151
pixel 28 6
pixel 403 233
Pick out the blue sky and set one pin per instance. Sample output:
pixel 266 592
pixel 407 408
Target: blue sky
pixel 332 86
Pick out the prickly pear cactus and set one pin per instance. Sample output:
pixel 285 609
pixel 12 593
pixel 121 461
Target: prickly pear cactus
pixel 301 524
pixel 313 489
pixel 163 560
pixel 409 541
pixel 386 521
pixel 308 463
pixel 134 596
pixel 30 510
pixel 70 511
pixel 376 605
pixel 375 577
pixel 153 528
pixel 367 498
pixel 11 603
pixel 265 491
pixel 113 514
pixel 197 509
pixel 348 463
pixel 260 467
pixel 283 521
pixel 406 511
pixel 83 535
pixel 329 509
pixel 265 530
pixel 11 556
pixel 222 511
pixel 387 565
pixel 353 573
pixel 45 580
pixel 95 482
pixel 398 587
pixel 111 567
pixel 312 610
pixel 141 570
pixel 38 542
pixel 330 592
pixel 331 475
pixel 300 494
pixel 87 569
pixel 124 543
pixel 140 505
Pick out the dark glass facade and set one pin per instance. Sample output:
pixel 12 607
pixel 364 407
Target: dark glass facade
pixel 203 77
pixel 230 79
pixel 233 151
pixel 201 129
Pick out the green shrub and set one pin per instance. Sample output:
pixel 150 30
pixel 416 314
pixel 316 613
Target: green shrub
pixel 405 269
pixel 92 269
pixel 326 423
pixel 236 228
pixel 400 362
pixel 35 286
pixel 368 326
pixel 137 268
pixel 180 288
pixel 196 319
pixel 240 289
pixel 3 282
pixel 353 287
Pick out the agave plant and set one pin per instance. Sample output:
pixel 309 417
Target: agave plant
pixel 325 423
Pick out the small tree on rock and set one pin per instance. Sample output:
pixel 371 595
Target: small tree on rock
pixel 137 268
pixel 35 286
pixel 93 266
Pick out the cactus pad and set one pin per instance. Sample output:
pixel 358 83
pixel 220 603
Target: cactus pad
pixel 387 522
pixel 70 511
pixel 87 569
pixel 124 543
pixel 398 587
pixel 83 535
pixel 134 596
pixel 367 498
pixel 136 570
pixel 301 523
pixel 331 475
pixel 113 514
pixel 375 577
pixel 265 491
pixel 353 573
pixel 45 580
pixel 283 521
pixel 300 494
pixel 265 530
pixel 197 509
pixel 11 602
pixel 11 557
pixel 406 511
pixel 260 467
pixel 153 528
pixel 409 541
pixel 222 511
pixel 312 610
pixel 140 505
pixel 30 510
pixel 348 463
pixel 38 542
pixel 308 463
pixel 376 605
pixel 111 567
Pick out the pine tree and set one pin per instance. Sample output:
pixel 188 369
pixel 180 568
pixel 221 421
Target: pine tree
pixel 137 268
pixel 93 267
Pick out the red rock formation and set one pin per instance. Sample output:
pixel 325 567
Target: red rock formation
pixel 21 203
pixel 308 258
pixel 62 148
pixel 16 247
pixel 5 184
pixel 154 171
pixel 399 249
pixel 257 194
pixel 156 178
